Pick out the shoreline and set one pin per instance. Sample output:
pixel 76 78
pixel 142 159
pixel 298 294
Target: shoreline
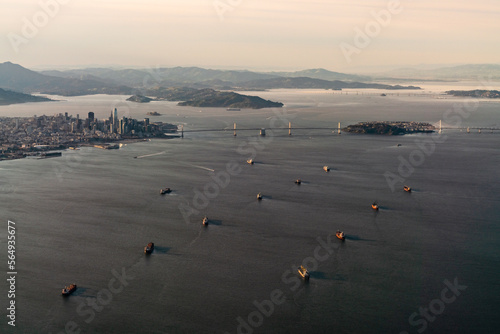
pixel 113 144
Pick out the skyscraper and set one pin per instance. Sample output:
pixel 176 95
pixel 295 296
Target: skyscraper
pixel 115 121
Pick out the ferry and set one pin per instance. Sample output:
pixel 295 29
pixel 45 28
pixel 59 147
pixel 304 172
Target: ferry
pixel 407 189
pixel 149 248
pixel 340 235
pixel 205 221
pixel 165 191
pixel 250 161
pixel 68 290
pixel 303 272
pixel 326 168
pixel 298 181
pixel 375 206
pixel 259 196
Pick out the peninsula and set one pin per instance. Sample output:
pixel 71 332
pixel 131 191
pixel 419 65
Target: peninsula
pixel 10 97
pixel 389 128
pixel 24 136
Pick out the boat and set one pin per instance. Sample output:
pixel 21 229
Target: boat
pixel 326 168
pixel 165 191
pixel 340 235
pixel 205 221
pixel 68 289
pixel 149 248
pixel 407 189
pixel 298 181
pixel 259 196
pixel 50 154
pixel 375 206
pixel 303 272
pixel 250 161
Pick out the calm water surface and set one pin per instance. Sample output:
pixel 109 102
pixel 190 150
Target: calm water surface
pixel 90 212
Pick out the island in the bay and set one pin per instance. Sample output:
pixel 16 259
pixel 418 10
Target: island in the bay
pixel 139 99
pixel 25 136
pixel 389 128
pixel 490 94
pixel 206 97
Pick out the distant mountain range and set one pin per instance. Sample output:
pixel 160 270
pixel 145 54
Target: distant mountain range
pixel 17 78
pixel 136 82
pixel 320 73
pixel 200 87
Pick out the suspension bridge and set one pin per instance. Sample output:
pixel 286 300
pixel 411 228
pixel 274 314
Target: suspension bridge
pixel 338 130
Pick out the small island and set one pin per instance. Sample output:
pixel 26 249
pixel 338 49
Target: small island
pixel 489 94
pixel 153 113
pixel 390 128
pixel 139 99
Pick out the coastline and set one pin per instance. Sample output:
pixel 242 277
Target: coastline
pixel 108 144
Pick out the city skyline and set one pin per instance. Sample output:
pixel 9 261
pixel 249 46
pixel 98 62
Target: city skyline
pixel 279 35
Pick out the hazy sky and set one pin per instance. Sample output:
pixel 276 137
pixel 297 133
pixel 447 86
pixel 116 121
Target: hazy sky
pixel 253 34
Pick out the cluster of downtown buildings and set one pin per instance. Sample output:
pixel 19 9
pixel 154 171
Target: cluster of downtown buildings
pixel 19 136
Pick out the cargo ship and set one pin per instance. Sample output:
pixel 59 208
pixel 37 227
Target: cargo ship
pixel 68 290
pixel 303 273
pixel 165 191
pixel 149 248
